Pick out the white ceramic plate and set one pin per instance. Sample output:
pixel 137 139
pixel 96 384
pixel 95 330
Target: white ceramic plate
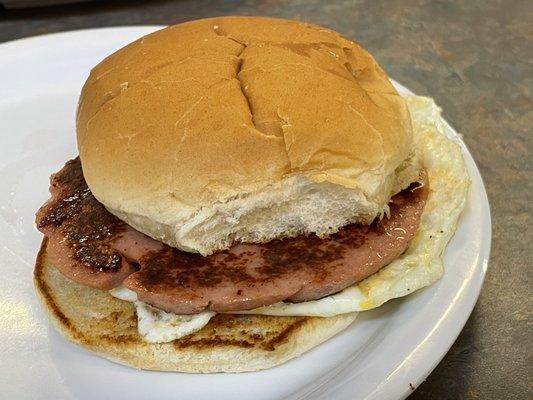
pixel 383 355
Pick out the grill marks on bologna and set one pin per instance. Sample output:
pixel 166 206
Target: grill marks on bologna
pixel 91 246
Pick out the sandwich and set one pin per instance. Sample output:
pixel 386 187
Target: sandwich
pixel 244 187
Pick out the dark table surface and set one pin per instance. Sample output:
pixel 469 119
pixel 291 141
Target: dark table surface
pixel 476 59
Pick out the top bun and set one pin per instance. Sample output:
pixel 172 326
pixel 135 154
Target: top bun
pixel 246 129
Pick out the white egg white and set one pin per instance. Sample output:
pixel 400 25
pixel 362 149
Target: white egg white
pixel 158 326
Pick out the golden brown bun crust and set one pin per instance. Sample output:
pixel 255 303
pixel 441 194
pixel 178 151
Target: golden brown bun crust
pixel 229 343
pixel 217 109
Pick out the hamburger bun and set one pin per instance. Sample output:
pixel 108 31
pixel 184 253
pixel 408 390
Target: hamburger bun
pixel 228 343
pixel 242 129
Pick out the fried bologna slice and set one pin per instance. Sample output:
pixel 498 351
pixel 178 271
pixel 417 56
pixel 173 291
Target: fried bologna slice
pixel 229 343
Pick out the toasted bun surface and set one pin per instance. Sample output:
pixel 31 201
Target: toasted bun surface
pixel 228 343
pixel 241 129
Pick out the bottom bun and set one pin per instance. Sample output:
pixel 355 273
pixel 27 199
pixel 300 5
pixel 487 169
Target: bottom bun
pixel 228 343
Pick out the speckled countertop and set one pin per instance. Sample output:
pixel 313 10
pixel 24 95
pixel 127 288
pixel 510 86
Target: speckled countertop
pixel 476 59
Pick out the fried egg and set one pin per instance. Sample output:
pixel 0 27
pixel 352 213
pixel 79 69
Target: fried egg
pixel 419 266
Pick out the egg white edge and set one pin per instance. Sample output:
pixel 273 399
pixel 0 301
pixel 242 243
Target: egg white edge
pixel 419 266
